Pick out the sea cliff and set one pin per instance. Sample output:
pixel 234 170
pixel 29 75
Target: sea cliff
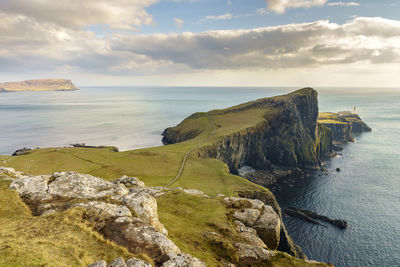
pixel 39 85
pixel 343 125
pixel 286 136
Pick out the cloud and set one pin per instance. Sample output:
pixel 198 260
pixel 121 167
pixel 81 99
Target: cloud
pixel 29 45
pixel 75 14
pixel 343 4
pixel 280 6
pixel 178 22
pixel 225 16
pixel 371 40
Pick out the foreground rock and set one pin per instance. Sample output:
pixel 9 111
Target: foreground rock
pixel 255 215
pixel 120 262
pixel 128 217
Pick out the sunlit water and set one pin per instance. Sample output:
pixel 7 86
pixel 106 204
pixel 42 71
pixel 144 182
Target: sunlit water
pixel 366 192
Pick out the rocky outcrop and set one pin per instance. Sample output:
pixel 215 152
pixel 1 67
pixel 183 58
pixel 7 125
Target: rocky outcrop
pixel 128 217
pixel 254 214
pixel 120 262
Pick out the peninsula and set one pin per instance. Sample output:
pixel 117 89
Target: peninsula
pixel 39 85
pixel 181 204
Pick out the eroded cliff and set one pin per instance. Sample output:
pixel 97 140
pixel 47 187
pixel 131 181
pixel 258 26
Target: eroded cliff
pixel 284 135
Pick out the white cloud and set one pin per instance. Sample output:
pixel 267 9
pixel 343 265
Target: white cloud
pixel 28 46
pixel 76 14
pixel 178 22
pixel 280 6
pixel 225 16
pixel 372 40
pixel 343 4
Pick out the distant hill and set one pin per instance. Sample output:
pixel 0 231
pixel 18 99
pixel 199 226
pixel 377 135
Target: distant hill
pixel 39 85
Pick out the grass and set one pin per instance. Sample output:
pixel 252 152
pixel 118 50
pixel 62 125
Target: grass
pixel 62 239
pixel 203 227
pixel 186 217
pixel 330 118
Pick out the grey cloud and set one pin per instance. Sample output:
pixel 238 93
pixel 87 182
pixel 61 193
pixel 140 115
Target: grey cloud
pixel 27 44
pixel 288 46
pixel 77 14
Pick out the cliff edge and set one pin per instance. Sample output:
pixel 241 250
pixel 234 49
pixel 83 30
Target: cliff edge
pixel 267 134
pixel 39 85
pixel 343 125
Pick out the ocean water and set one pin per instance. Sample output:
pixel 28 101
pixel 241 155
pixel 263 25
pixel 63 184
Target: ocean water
pixel 366 192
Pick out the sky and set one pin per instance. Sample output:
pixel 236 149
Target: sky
pixel 202 42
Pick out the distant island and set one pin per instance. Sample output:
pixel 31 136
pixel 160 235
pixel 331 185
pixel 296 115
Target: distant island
pixel 39 85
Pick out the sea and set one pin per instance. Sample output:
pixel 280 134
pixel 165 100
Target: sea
pixel 366 192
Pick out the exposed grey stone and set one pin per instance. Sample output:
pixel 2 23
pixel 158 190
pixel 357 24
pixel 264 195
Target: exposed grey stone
pixel 144 206
pixel 137 263
pixel 76 185
pixel 183 260
pixel 98 264
pixel 248 216
pixel 130 181
pixel 252 255
pixel 118 262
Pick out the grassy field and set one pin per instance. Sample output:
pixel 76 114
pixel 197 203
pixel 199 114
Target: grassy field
pixel 329 118
pixel 67 238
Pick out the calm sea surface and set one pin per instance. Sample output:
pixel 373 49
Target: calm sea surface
pixel 366 192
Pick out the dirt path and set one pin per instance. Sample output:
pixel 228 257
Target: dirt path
pixel 190 151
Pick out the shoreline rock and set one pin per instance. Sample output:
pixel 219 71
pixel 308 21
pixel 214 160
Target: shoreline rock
pixel 313 217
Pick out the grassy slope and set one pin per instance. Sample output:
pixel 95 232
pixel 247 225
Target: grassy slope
pixel 62 239
pixel 329 118
pixel 186 218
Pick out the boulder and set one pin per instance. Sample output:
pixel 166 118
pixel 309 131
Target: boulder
pixel 255 214
pixel 118 262
pixel 250 235
pixel 144 206
pixel 248 216
pixel 32 189
pixel 137 263
pixel 98 264
pixel 99 212
pixel 139 238
pixel 76 185
pixel 129 181
pixel 268 227
pixel 184 260
pixel 252 255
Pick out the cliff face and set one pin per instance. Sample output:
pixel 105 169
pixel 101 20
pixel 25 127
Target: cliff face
pixel 287 137
pixel 39 85
pixel 343 125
